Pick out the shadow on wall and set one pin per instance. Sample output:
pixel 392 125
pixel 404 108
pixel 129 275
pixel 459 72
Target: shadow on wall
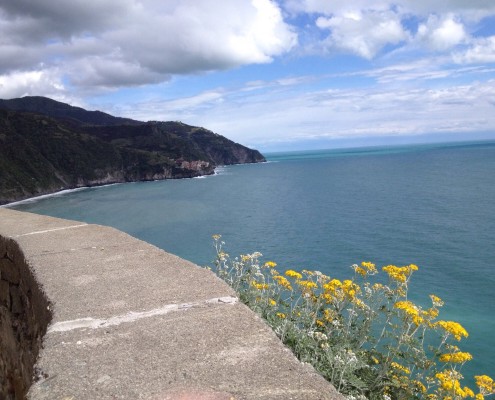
pixel 24 318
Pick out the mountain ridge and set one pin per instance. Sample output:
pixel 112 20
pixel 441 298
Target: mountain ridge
pixel 58 109
pixel 47 146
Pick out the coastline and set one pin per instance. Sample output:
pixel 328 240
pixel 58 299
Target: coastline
pixel 216 172
pixel 54 194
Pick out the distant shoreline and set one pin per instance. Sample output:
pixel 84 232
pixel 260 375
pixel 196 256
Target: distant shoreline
pixel 54 194
pixel 66 191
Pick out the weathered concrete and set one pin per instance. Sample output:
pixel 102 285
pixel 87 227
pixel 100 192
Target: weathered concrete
pixel 126 320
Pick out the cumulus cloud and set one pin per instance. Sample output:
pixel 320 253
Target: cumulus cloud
pixel 481 51
pixel 364 28
pixel 27 22
pixel 364 34
pixel 441 33
pixel 207 35
pixel 19 84
pixel 131 42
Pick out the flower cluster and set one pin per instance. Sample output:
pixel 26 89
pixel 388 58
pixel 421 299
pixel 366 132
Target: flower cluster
pixel 458 357
pixel 400 274
pixel 367 338
pixel 486 385
pixel 366 268
pixel 450 385
pixel 453 328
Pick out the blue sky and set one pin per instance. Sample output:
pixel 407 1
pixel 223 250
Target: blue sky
pixel 274 75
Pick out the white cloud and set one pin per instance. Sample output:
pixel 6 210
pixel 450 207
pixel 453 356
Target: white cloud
pixel 119 43
pixel 364 28
pixel 20 84
pixel 207 35
pixel 481 51
pixel 441 33
pixel 364 34
pixel 276 114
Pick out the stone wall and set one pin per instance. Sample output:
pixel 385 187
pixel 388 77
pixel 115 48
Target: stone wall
pixel 88 312
pixel 24 317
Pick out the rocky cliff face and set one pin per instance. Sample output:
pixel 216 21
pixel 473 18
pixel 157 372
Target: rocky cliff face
pixel 47 146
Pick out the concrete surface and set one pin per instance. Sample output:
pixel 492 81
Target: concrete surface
pixel 130 321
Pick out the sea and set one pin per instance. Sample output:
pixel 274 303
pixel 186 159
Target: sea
pixel 432 205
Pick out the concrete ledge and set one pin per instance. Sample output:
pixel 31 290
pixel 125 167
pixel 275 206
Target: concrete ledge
pixel 121 319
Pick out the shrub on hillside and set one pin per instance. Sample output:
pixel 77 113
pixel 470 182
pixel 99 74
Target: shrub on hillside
pixel 364 336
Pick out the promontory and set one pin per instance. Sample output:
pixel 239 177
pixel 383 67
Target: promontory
pixel 47 146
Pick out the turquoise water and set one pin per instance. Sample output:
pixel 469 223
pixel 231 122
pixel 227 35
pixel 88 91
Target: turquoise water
pixel 432 205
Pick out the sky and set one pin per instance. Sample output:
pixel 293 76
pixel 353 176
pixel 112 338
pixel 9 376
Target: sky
pixel 271 74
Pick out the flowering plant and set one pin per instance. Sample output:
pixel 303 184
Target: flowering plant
pixel 366 337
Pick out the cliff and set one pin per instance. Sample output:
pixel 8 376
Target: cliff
pixel 47 146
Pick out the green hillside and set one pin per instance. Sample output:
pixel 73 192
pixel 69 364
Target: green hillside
pixel 47 146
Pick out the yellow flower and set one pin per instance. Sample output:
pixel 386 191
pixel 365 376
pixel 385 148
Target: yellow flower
pixel 359 303
pixel 449 381
pixel 485 383
pixel 329 315
pixel 399 367
pixel 411 311
pixel 350 288
pixel 400 274
pixel 308 285
pixel 272 302
pixel 327 297
pixel 437 301
pixel 368 265
pixel 395 273
pixel 454 328
pixel 419 386
pixel 432 313
pixel 281 315
pixel 293 274
pixel 282 281
pixel 368 268
pixel 216 237
pixel 332 286
pixel 458 357
pixel 260 286
pixel 341 290
pixel 270 264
